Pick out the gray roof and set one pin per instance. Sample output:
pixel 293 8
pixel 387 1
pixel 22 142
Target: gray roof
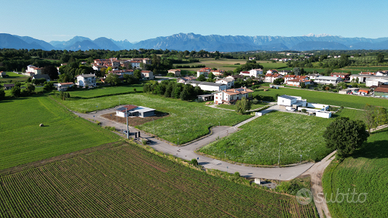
pixel 41 76
pixel 328 78
pixel 87 75
pixel 287 97
pixel 212 84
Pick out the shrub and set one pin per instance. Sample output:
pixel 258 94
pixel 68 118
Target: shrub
pixel 303 110
pixel 194 162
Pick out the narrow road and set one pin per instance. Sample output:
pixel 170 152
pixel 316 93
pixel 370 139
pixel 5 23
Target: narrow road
pixel 187 152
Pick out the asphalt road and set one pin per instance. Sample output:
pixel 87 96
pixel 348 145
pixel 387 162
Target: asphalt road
pixel 187 152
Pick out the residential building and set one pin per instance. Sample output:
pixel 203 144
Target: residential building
pixel 230 96
pixel 289 101
pixel 204 71
pixel 64 86
pixel 31 69
pixel 207 86
pixel 86 80
pixel 136 62
pixel 245 73
pixel 327 80
pixel 133 110
pixel 147 75
pixel 344 76
pixel 8 86
pixel 381 91
pixel 376 81
pixel 252 58
pixel 111 62
pixel 269 78
pixel 272 71
pixel 252 73
pixel 218 72
pixel 288 77
pixel 3 74
pixel 176 72
pixel 298 80
pixel 185 79
pixel 292 103
pixel 41 76
pixel 284 72
pixel 228 81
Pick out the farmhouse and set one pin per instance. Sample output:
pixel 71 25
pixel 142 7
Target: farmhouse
pixel 176 72
pixel 204 71
pixel 327 80
pixel 3 74
pixel 135 111
pixel 185 79
pixel 297 103
pixel 253 72
pixel 217 72
pixel 146 74
pixel 228 81
pixel 230 96
pixel 269 78
pixel 64 86
pixel 298 81
pixel 31 69
pixel 84 80
pixel 207 86
pixel 111 62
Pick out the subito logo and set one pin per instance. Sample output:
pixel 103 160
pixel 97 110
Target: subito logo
pixel 304 196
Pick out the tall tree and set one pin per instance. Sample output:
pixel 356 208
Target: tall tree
pixel 51 71
pixel 380 58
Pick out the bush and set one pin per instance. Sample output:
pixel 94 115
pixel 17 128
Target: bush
pixel 194 162
pixel 303 110
pixel 237 174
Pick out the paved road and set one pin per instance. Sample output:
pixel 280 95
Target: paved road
pixel 187 152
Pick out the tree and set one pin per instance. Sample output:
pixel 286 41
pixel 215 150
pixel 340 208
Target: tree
pixel 345 135
pixel 129 79
pixel 375 116
pixel 2 94
pixel 137 74
pixel 296 71
pixel 48 87
pixel 112 79
pixel 243 105
pixel 107 70
pixel 51 71
pixel 278 81
pixel 380 58
pixel 30 88
pixel 201 78
pixel 15 91
pixel 211 75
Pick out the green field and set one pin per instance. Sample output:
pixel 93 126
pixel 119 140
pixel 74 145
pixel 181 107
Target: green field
pixel 365 172
pixel 23 141
pixel 127 181
pixel 233 107
pixel 327 97
pixel 104 91
pixel 352 114
pixel 186 120
pixel 258 141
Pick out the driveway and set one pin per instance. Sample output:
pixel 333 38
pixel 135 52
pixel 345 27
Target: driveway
pixel 187 152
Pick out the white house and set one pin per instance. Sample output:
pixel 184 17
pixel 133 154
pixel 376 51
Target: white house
pixel 176 72
pixel 230 96
pixel 208 86
pixel 269 78
pixel 204 71
pixel 256 72
pixel 272 71
pixel 64 86
pixel 290 101
pixel 84 80
pixel 133 110
pixel 296 102
pixel 327 80
pixel 146 74
pixel 34 70
pixel 376 81
pixel 185 79
pixel 228 81
pixel 3 74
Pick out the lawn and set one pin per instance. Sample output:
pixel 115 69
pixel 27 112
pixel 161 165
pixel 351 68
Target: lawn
pixel 327 97
pixel 258 141
pixel 221 64
pixel 104 91
pixel 186 120
pixel 233 107
pixel 23 141
pixel 127 181
pixel 365 172
pixel 270 65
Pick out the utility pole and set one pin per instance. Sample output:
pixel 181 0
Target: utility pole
pixel 126 114
pixel 279 155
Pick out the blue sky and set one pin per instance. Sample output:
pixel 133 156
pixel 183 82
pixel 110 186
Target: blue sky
pixel 144 19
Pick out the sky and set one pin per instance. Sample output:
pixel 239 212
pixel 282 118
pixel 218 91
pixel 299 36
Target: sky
pixel 57 20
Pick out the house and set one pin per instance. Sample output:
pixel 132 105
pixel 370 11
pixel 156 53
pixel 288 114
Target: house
pixel 3 74
pixel 206 97
pixel 284 72
pixel 298 81
pixel 291 101
pixel 218 72
pixel 8 86
pixel 230 96
pixel 134 111
pixel 185 79
pixel 64 86
pixel 252 72
pixel 269 78
pixel 136 62
pixel 176 72
pixel 344 76
pixel 204 71
pixel 31 69
pixel 272 71
pixel 228 81
pixel 381 91
pixel 41 76
pixel 382 73
pixel 207 86
pixel 327 80
pixel 111 62
pixel 375 80
pixel 349 91
pixel 245 73
pixel 252 58
pixel 146 74
pixel 297 103
pixel 288 77
pixel 84 80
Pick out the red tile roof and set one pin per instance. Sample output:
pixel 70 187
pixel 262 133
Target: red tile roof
pixel 381 89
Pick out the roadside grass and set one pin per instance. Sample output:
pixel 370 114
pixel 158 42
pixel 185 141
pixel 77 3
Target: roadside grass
pixel 258 141
pixel 126 180
pixel 327 97
pixel 104 91
pixel 186 121
pixel 365 172
pixel 23 141
pixel 233 107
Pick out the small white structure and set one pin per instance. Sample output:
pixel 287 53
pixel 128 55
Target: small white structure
pixel 207 86
pixel 327 80
pixel 228 81
pixel 291 101
pixel 64 86
pixel 254 72
pixel 34 70
pixel 257 181
pixel 376 81
pixel 146 74
pixel 269 78
pixel 84 80
pixel 133 110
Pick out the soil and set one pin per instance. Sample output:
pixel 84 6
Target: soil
pixel 134 121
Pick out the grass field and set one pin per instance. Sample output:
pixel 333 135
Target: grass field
pixel 104 91
pixel 327 97
pixel 187 120
pixel 127 181
pixel 258 141
pixel 221 64
pixel 365 172
pixel 13 77
pixel 23 141
pixel 233 107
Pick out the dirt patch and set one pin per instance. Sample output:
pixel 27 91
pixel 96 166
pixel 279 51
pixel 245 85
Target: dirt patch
pixel 135 121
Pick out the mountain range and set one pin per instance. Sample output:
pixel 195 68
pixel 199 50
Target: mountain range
pixel 191 41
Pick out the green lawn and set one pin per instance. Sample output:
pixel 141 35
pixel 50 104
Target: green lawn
pixel 23 141
pixel 128 181
pixel 104 91
pixel 186 120
pixel 327 97
pixel 365 172
pixel 258 141
pixel 233 107
pixel 352 114
pixel 12 75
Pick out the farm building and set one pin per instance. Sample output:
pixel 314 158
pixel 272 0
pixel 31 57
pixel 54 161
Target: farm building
pixel 8 86
pixel 297 103
pixel 207 86
pixel 327 80
pixel 135 111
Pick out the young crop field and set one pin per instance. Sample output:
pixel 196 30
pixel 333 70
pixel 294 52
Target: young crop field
pixel 127 181
pixel 270 65
pixel 233 107
pixel 327 97
pixel 221 64
pixel 104 91
pixel 259 140
pixel 186 120
pixel 23 141
pixel 365 172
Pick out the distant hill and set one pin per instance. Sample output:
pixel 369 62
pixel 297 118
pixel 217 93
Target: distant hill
pixel 191 41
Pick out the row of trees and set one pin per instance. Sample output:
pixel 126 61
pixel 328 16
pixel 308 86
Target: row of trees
pixel 171 89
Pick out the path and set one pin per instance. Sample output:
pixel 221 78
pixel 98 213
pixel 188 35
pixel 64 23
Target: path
pixel 187 152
